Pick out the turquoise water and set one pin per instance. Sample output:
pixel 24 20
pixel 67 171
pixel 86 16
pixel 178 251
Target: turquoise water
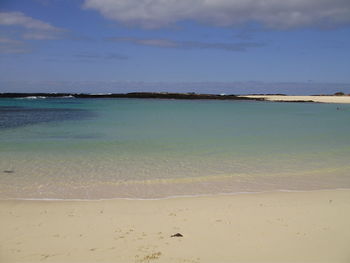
pixel 105 148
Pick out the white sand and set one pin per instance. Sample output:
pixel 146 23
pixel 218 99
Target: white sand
pixel 269 227
pixel 324 99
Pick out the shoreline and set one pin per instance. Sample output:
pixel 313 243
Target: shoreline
pixel 187 96
pixel 264 227
pixel 189 196
pixel 160 189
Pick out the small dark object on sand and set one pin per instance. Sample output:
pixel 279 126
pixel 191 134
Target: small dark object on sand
pixel 177 235
pixel 8 171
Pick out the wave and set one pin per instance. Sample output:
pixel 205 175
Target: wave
pixel 32 98
pixel 65 97
pixel 44 97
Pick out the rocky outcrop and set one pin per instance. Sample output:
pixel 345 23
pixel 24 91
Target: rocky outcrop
pixel 140 95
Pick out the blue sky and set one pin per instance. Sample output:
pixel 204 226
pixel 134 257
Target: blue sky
pixel 103 45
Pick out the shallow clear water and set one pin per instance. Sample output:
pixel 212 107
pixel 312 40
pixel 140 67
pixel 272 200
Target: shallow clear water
pixel 105 148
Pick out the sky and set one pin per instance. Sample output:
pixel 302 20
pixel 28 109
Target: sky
pixel 242 46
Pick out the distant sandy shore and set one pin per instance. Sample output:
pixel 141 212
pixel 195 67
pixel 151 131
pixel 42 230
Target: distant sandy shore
pixel 267 227
pixel 324 99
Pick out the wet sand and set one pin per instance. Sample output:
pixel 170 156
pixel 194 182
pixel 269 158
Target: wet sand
pixel 324 99
pixel 268 227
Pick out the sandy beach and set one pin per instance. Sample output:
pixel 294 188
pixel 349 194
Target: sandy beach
pixel 323 99
pixel 267 227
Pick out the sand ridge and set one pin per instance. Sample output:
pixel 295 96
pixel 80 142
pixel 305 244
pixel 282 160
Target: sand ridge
pixel 322 99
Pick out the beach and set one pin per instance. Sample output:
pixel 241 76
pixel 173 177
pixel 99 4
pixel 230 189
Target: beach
pixel 164 131
pixel 112 180
pixel 323 99
pixel 308 226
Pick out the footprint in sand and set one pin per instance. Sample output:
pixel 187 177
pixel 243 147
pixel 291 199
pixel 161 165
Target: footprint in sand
pixel 196 260
pixel 149 257
pixel 46 256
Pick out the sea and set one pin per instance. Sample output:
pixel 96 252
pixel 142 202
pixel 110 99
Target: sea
pixel 102 148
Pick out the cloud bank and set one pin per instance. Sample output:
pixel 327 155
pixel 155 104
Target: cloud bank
pixel 275 14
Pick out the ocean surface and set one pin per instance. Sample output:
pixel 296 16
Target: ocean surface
pixel 67 148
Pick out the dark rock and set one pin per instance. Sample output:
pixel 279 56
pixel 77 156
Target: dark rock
pixel 8 171
pixel 135 95
pixel 177 235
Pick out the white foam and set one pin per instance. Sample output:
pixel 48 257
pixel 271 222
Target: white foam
pixel 32 98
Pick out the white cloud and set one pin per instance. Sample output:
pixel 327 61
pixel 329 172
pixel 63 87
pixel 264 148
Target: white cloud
pixel 19 19
pixel 167 43
pixel 25 28
pixel 30 28
pixel 40 36
pixel 280 14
